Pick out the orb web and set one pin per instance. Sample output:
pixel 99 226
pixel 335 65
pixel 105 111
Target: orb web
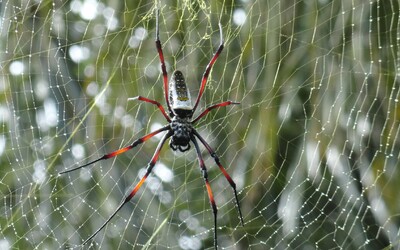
pixel 313 147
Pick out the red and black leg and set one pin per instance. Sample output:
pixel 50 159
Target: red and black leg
pixel 119 151
pixel 208 68
pixel 160 107
pixel 163 67
pixel 208 187
pixel 227 176
pixel 137 187
pixel 205 112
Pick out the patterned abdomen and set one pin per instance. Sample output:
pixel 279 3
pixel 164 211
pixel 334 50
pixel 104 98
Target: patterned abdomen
pixel 179 96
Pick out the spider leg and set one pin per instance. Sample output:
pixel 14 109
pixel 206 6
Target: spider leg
pixel 208 68
pixel 119 151
pixel 163 67
pixel 227 176
pixel 136 188
pixel 222 104
pixel 160 107
pixel 209 191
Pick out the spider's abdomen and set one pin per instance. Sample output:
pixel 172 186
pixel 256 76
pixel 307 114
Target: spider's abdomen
pixel 179 96
pixel 182 129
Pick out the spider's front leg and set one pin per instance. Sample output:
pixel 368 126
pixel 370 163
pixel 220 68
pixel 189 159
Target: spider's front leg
pixel 119 151
pixel 136 188
pixel 227 176
pixel 208 187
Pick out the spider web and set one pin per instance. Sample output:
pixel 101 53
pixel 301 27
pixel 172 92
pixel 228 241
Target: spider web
pixel 313 147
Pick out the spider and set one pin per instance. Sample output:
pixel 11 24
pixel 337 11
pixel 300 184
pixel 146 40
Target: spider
pixel 180 129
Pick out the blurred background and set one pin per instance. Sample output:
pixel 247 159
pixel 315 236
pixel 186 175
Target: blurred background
pixel 313 147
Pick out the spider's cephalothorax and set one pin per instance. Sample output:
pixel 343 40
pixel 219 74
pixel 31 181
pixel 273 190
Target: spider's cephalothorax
pixel 182 130
pixel 179 128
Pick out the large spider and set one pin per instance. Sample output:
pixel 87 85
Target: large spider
pixel 179 128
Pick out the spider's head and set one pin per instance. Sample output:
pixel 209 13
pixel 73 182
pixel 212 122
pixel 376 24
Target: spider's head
pixel 179 96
